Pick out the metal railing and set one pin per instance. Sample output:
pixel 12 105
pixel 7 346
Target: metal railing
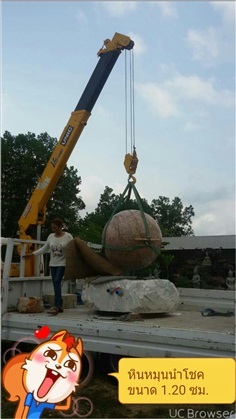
pixel 20 282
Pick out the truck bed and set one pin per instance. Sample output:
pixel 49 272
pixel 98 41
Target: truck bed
pixel 184 333
pixel 179 334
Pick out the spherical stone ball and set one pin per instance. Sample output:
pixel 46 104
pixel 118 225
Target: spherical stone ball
pixel 126 240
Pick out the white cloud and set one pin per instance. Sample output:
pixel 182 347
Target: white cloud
pixel 168 10
pixel 195 88
pixel 119 8
pixel 227 8
pixel 103 112
pixel 7 103
pixel 140 46
pixel 214 45
pixel 217 217
pixel 91 189
pixel 212 194
pixel 159 99
pixel 191 126
pixel 81 17
pixel 205 45
pixel 214 206
pixel 168 99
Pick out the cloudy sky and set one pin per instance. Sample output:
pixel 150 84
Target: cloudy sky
pixel 184 79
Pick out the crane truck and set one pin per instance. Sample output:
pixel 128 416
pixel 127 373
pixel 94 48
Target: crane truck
pixel 184 333
pixel 34 213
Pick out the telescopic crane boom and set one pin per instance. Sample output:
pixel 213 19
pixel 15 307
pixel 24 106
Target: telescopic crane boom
pixel 35 210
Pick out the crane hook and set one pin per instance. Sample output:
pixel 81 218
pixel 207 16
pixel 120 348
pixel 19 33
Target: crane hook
pixel 131 163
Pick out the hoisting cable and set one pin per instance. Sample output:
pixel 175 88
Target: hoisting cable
pixel 131 160
pixel 126 109
pixel 131 105
pixel 130 163
pixel 132 113
pixel 129 101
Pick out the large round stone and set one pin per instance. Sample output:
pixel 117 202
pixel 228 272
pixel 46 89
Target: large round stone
pixel 127 244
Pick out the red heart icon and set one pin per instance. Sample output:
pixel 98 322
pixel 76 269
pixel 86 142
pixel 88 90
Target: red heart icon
pixel 42 332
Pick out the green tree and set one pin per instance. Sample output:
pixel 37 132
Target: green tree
pixel 174 219
pixel 167 259
pixel 91 227
pixel 24 158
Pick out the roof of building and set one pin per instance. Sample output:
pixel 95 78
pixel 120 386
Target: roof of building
pixel 199 242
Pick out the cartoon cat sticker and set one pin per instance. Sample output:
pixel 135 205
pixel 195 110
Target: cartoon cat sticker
pixel 46 377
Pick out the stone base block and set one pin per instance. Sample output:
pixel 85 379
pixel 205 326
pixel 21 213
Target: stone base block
pixel 69 300
pixel 135 296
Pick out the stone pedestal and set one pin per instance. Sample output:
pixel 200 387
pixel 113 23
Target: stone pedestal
pixel 132 295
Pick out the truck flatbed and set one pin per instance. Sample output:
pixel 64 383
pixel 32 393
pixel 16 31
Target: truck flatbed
pixel 179 334
pixel 183 333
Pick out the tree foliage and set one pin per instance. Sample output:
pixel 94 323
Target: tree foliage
pixel 91 227
pixel 24 158
pixel 173 218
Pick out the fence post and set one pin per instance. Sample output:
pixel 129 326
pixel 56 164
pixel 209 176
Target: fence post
pixel 6 275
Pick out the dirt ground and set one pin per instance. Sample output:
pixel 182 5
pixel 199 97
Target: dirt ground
pixel 102 392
